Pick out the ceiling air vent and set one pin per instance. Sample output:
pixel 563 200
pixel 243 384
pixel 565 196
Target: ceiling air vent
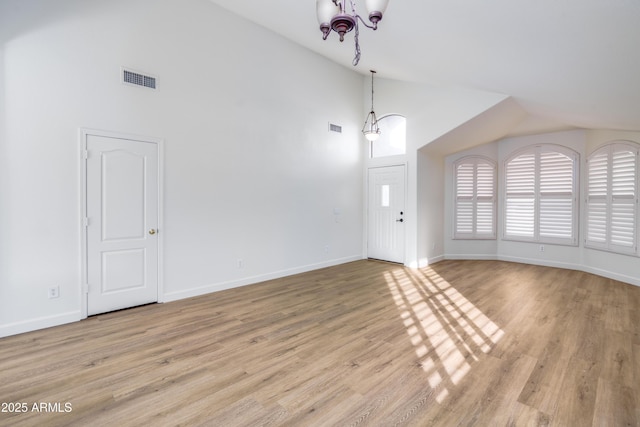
pixel 335 128
pixel 138 79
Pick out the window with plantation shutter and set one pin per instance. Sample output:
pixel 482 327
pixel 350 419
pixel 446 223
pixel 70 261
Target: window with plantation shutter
pixel 541 195
pixel 475 199
pixel 612 198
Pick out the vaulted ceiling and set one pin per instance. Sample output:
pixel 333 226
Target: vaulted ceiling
pixel 568 63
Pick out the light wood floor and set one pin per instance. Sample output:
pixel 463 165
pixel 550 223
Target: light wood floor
pixel 469 343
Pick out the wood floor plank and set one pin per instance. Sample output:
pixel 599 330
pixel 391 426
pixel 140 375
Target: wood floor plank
pixel 617 362
pixel 576 402
pixel 471 343
pixel 636 380
pixel 614 405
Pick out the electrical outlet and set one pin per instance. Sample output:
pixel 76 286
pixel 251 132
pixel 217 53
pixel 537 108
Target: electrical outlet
pixel 541 248
pixel 240 263
pixel 54 292
pixel 326 249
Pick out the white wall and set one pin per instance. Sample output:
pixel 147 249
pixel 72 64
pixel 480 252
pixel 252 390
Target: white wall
pixel 619 267
pixel 250 170
pixel 431 214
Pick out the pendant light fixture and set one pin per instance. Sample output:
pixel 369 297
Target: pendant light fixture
pixel 370 129
pixel 334 15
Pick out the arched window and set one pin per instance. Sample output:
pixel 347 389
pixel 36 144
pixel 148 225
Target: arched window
pixel 475 198
pixel 612 198
pixel 541 195
pixel 393 137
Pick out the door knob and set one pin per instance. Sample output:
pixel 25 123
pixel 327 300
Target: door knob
pixel 400 220
pixel 152 231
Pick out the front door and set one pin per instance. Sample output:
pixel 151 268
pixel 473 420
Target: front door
pixel 386 213
pixel 121 223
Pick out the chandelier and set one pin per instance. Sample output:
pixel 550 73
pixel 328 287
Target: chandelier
pixel 370 129
pixel 333 15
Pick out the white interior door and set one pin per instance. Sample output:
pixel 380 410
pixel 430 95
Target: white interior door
pixel 122 220
pixel 386 213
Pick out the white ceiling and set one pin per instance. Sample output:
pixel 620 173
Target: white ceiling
pixel 566 62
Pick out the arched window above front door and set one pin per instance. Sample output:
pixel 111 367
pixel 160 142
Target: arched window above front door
pixel 393 137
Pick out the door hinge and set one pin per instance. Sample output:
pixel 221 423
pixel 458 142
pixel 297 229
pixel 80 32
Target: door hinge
pixel 85 221
pixel 85 154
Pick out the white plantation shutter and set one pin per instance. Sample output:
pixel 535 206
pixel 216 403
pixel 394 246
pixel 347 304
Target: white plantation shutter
pixel 486 199
pixel 464 199
pixel 612 198
pixel 557 197
pixel 540 195
pixel 597 191
pixel 520 197
pixel 475 199
pixel 623 198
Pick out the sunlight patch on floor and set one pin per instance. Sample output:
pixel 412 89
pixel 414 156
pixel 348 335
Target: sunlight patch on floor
pixel 446 329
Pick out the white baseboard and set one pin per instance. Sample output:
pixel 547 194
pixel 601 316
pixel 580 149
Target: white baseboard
pixel 39 323
pixel 543 262
pixel 215 287
pixel 521 260
pixel 425 262
pixel 612 275
pixel 491 257
pixel 550 263
pixel 75 316
pixel 435 259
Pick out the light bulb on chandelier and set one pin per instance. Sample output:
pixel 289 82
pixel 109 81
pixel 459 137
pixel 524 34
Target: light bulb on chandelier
pixel 333 15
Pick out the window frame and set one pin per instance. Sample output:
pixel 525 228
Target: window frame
pixel 533 198
pixel 372 144
pixel 475 234
pixel 606 200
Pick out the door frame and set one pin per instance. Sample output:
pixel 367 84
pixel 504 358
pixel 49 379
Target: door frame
pixel 366 204
pixel 83 135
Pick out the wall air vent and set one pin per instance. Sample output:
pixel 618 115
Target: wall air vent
pixel 335 128
pixel 138 79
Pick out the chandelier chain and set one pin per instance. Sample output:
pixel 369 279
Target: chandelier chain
pixel 372 73
pixel 356 57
